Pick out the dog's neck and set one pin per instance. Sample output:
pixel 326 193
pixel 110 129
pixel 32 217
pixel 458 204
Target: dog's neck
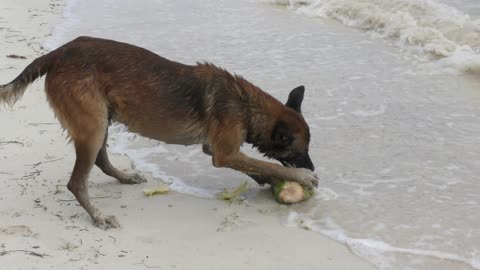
pixel 261 109
pixel 263 112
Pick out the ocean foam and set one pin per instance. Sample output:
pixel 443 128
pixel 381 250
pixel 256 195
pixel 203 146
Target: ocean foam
pixel 325 194
pixel 119 141
pixel 439 30
pixel 371 249
pixel 69 20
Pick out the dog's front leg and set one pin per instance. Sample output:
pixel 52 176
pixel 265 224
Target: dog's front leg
pixel 224 144
pixel 260 179
pixel 265 171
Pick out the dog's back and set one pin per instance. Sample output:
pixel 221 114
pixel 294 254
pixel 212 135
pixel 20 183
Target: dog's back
pixel 128 84
pixel 91 81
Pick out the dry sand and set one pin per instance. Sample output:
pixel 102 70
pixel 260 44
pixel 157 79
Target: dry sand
pixel 42 226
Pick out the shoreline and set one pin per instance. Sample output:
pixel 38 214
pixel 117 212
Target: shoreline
pixel 174 231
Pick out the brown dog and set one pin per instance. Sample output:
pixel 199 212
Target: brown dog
pixel 91 82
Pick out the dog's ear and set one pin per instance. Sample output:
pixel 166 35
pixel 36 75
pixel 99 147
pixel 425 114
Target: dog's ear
pixel 281 134
pixel 295 98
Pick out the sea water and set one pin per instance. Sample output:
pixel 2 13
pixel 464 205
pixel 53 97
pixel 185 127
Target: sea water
pixel 392 99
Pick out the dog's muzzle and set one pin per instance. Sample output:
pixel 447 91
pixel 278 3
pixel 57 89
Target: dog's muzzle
pixel 302 161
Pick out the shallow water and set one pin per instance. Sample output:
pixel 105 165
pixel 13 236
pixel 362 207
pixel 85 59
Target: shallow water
pixel 394 130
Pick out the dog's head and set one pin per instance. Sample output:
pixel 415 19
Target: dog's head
pixel 290 136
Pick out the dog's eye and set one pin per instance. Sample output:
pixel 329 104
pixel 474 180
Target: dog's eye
pixel 285 139
pixel 281 135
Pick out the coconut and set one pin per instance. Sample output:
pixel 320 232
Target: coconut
pixel 288 192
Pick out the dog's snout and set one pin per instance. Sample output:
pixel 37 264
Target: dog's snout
pixel 308 163
pixel 302 161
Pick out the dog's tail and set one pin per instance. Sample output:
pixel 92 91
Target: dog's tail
pixel 12 92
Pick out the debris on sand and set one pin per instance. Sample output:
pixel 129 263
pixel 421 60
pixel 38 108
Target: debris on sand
pixel 231 194
pixel 156 190
pixel 14 56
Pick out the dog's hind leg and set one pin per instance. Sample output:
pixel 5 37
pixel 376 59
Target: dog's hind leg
pixel 87 148
pixel 81 109
pixel 104 164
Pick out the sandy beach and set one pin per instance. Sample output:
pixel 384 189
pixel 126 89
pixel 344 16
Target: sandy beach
pixel 42 226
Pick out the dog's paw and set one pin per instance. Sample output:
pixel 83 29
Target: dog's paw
pixel 307 178
pixel 107 222
pixel 133 179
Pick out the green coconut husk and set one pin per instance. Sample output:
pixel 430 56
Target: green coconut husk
pixel 231 194
pixel 288 192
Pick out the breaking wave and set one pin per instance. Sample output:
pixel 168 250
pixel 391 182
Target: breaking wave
pixel 444 33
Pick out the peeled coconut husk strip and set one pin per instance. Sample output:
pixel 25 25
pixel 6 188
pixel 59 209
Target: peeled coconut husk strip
pixel 156 190
pixel 231 194
pixel 288 192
